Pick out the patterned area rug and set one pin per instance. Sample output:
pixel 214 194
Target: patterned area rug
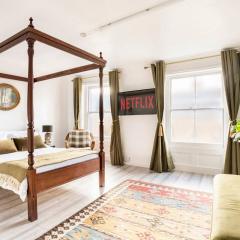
pixel 137 210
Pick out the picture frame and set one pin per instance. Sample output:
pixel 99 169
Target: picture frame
pixel 9 97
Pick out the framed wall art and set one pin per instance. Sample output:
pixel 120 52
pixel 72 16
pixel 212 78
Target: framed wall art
pixel 9 97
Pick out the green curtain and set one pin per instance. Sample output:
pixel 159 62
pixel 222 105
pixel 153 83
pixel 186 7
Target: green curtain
pixel 160 161
pixel 116 154
pixel 231 73
pixel 77 94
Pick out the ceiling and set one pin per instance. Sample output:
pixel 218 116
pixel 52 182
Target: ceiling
pixel 178 29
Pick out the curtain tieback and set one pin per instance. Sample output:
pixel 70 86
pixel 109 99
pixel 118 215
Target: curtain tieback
pixel 232 124
pixel 114 122
pixel 160 133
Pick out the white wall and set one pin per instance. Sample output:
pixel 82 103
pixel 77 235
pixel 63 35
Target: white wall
pixel 15 119
pixel 138 131
pixel 53 105
pixel 50 107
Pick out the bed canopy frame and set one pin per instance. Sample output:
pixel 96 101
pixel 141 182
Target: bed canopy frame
pixel 43 181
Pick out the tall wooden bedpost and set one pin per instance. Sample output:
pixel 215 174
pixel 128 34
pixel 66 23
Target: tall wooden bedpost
pixel 101 131
pixel 31 173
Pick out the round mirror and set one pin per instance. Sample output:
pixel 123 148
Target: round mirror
pixel 9 97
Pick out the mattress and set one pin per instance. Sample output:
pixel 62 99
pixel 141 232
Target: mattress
pixel 22 190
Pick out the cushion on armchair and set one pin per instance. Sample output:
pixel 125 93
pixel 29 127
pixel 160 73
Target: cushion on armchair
pixel 79 139
pixel 226 208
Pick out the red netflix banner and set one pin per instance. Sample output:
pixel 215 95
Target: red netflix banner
pixel 137 102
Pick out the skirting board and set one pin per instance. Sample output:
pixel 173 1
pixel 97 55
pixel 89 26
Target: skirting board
pixel 182 167
pixel 196 169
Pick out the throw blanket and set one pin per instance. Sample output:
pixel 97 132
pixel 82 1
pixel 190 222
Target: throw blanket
pixel 13 173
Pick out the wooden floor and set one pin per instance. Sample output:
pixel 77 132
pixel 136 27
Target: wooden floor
pixel 60 203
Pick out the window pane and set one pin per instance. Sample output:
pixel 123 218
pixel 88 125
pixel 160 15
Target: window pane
pixel 93 124
pixel 209 91
pixel 183 93
pixel 209 126
pixel 182 126
pixel 93 100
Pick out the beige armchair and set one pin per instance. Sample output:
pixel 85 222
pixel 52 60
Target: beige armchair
pixel 80 139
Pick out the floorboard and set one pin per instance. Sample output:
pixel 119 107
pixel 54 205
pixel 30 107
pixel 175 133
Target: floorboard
pixel 55 205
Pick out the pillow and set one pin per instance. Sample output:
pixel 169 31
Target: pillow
pixel 79 139
pixel 38 142
pixel 7 146
pixel 21 143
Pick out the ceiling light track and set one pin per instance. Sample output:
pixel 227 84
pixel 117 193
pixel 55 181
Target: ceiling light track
pixel 114 22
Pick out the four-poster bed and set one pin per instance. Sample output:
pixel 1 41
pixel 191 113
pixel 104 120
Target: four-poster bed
pixel 38 182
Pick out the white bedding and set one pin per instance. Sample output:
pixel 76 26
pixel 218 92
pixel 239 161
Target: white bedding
pixel 22 191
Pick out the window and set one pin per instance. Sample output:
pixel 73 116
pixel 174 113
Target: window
pixel 197 113
pixel 92 110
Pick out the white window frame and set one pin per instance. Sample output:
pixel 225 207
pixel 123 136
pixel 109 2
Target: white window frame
pixel 181 146
pixel 86 87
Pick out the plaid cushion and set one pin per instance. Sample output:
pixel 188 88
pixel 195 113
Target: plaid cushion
pixel 79 139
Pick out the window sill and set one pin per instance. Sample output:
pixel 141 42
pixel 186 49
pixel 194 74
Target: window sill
pixel 197 147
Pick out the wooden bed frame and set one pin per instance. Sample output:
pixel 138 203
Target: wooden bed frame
pixel 43 181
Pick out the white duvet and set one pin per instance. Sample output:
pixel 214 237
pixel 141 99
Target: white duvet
pixel 22 190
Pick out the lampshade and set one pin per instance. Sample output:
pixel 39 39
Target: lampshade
pixel 47 128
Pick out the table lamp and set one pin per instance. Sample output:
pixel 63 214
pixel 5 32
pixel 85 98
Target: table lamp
pixel 47 129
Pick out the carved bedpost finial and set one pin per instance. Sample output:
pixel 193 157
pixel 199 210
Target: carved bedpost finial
pixel 101 55
pixel 31 22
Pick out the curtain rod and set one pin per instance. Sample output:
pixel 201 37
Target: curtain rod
pixel 188 60
pixel 168 63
